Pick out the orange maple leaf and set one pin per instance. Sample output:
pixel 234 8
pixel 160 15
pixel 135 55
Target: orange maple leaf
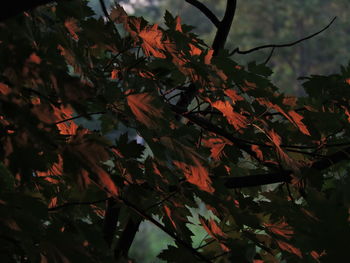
pixel 258 152
pixel 72 27
pixel 4 89
pixel 141 106
pixel 168 213
pixel 234 118
pixel 34 58
pixel 232 94
pixel 289 248
pixel 152 41
pixel 297 122
pixel 281 228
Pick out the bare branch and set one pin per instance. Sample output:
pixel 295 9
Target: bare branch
pixel 225 26
pixel 270 56
pixel 282 45
pixel 80 116
pixel 258 179
pixel 206 11
pixel 110 220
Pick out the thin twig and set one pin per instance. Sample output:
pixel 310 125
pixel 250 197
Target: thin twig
pixel 270 56
pixel 206 11
pixel 282 45
pixel 77 203
pixel 80 116
pixel 162 201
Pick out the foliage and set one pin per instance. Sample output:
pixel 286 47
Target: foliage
pixel 271 168
pixel 275 22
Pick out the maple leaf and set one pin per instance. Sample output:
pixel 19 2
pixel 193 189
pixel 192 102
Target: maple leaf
pixel 289 248
pixel 55 170
pixel 346 112
pixel 317 255
pixel 72 27
pixel 212 228
pixel 168 213
pixel 141 106
pixel 92 154
pixel 178 24
pixel 297 121
pixel 190 163
pixel 237 120
pixel 232 94
pixel 114 74
pixel 152 41
pixel 281 228
pixel 34 58
pixel 196 174
pixel 66 127
pixel 292 116
pixel 258 152
pixel 276 140
pixel 194 51
pixel 4 89
pixel 216 146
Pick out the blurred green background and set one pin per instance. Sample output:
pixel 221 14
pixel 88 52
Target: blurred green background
pixel 257 22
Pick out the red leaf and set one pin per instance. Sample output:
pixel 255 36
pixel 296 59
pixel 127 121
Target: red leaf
pixel 212 228
pixel 258 152
pixel 34 58
pixel 297 121
pixel 55 170
pixel 276 140
pixel 72 27
pixel 53 202
pixel 194 51
pixel 178 24
pixel 290 101
pixel 232 94
pixel 114 74
pixel 208 56
pixel 316 255
pixel 152 41
pixel 141 107
pixel 4 89
pixel 237 120
pixel 216 146
pixel 106 181
pixel 292 116
pixel 281 228
pixel 289 248
pixel 168 213
pixel 197 175
pixel 346 112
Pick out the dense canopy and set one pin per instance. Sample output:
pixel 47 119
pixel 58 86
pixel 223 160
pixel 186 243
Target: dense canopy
pixel 180 125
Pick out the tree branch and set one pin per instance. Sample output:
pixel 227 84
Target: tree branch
pixel 285 176
pixel 206 11
pixel 110 220
pixel 258 179
pixel 282 45
pixel 126 238
pixel 225 26
pixel 80 116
